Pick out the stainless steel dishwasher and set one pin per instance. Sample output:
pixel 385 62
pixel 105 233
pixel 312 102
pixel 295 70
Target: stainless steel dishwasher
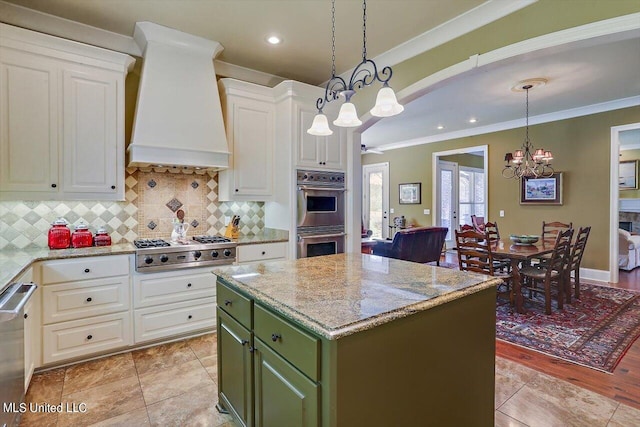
pixel 12 301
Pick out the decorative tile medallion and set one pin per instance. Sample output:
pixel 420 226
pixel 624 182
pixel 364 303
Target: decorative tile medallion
pixel 194 223
pixel 174 204
pixel 195 184
pixel 152 225
pixel 151 183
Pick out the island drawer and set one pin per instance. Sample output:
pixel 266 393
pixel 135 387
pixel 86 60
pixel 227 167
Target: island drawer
pixel 238 306
pixel 84 269
pixel 76 300
pixel 298 347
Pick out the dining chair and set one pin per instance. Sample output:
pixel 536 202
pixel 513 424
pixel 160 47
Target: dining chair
pixel 573 262
pixel 491 229
pixel 475 255
pixel 478 223
pixel 551 229
pixel 552 272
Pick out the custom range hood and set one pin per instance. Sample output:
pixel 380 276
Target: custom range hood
pixel 178 120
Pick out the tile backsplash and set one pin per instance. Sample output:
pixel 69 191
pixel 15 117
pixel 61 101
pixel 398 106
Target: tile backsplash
pixel 153 197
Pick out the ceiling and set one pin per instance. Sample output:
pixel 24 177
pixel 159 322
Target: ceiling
pixel 601 71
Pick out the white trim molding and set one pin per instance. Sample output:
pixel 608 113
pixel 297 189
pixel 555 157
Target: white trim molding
pixel 595 275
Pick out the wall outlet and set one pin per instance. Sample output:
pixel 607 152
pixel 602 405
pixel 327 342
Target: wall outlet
pixel 227 220
pixel 501 214
pixel 392 210
pixel 427 211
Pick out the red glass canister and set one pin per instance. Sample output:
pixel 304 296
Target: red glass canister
pixel 59 236
pixel 82 237
pixel 102 238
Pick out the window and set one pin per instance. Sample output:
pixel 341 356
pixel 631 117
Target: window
pixel 471 193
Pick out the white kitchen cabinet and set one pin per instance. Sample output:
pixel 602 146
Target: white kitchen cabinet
pixel 85 306
pixel 262 252
pixel 62 118
pixel 318 152
pixel 173 303
pixel 249 112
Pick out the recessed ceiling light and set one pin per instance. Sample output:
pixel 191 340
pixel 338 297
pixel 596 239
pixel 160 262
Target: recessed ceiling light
pixel 274 40
pixel 473 120
pixel 440 127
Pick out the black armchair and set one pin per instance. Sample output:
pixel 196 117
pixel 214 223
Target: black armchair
pixel 421 244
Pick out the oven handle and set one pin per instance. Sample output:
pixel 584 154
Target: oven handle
pixel 305 188
pixel 10 311
pixel 315 236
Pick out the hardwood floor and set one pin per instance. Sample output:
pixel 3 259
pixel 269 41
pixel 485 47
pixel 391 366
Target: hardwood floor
pixel 623 385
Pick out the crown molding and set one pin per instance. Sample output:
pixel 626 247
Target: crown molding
pixel 513 124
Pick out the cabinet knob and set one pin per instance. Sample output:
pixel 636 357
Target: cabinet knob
pixel 54 185
pixel 26 315
pixel 243 342
pixel 237 190
pixel 252 349
pixel 86 270
pixel 188 285
pixel 89 337
pixel 89 299
pixel 113 187
pixel 264 253
pixel 189 317
pixel 275 337
pixel 227 302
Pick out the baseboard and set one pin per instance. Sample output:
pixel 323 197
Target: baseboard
pixel 596 275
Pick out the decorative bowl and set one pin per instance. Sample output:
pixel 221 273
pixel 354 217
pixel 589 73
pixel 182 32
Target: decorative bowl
pixel 524 239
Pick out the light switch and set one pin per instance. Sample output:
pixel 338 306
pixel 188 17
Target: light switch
pixel 427 211
pixel 392 210
pixel 501 214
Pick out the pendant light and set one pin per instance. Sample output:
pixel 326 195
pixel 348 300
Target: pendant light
pixel 528 161
pixel 363 75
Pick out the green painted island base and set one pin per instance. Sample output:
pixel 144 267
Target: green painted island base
pixel 434 368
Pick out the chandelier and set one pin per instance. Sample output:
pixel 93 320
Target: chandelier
pixel 528 161
pixel 365 74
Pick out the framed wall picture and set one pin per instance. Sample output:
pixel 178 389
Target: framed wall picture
pixel 541 191
pixel 410 194
pixel 628 175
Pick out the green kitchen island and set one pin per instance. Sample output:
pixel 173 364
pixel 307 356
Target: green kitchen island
pixel 355 340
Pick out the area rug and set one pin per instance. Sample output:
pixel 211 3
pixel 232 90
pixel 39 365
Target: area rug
pixel 594 331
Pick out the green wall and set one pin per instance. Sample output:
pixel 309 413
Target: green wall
pixel 630 155
pixel 581 148
pixel 468 160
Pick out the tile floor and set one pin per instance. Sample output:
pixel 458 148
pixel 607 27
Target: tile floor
pixel 175 385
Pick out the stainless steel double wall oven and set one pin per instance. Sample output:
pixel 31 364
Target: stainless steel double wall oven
pixel 320 213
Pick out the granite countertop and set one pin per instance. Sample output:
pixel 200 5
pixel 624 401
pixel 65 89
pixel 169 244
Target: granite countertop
pixel 268 235
pixel 338 295
pixel 15 262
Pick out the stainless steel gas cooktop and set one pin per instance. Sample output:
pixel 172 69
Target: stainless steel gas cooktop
pixel 200 251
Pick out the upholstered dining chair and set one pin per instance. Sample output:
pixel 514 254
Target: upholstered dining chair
pixel 550 273
pixel 573 262
pixel 474 254
pixel 478 223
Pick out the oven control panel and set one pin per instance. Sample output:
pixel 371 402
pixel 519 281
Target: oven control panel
pixel 320 178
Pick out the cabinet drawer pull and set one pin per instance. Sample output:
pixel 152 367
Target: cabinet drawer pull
pixel 275 337
pixel 89 337
pixel 264 253
pixel 86 270
pixel 113 187
pixel 188 285
pixel 89 299
pixel 26 315
pixel 190 317
pixel 243 342
pixel 54 185
pixel 227 302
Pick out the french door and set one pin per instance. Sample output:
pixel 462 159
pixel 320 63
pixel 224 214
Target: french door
pixel 375 199
pixel 447 198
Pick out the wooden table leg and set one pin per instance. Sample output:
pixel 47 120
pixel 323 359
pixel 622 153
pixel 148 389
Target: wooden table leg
pixel 517 286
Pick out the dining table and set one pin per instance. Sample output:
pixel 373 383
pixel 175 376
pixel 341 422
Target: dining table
pixel 519 255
